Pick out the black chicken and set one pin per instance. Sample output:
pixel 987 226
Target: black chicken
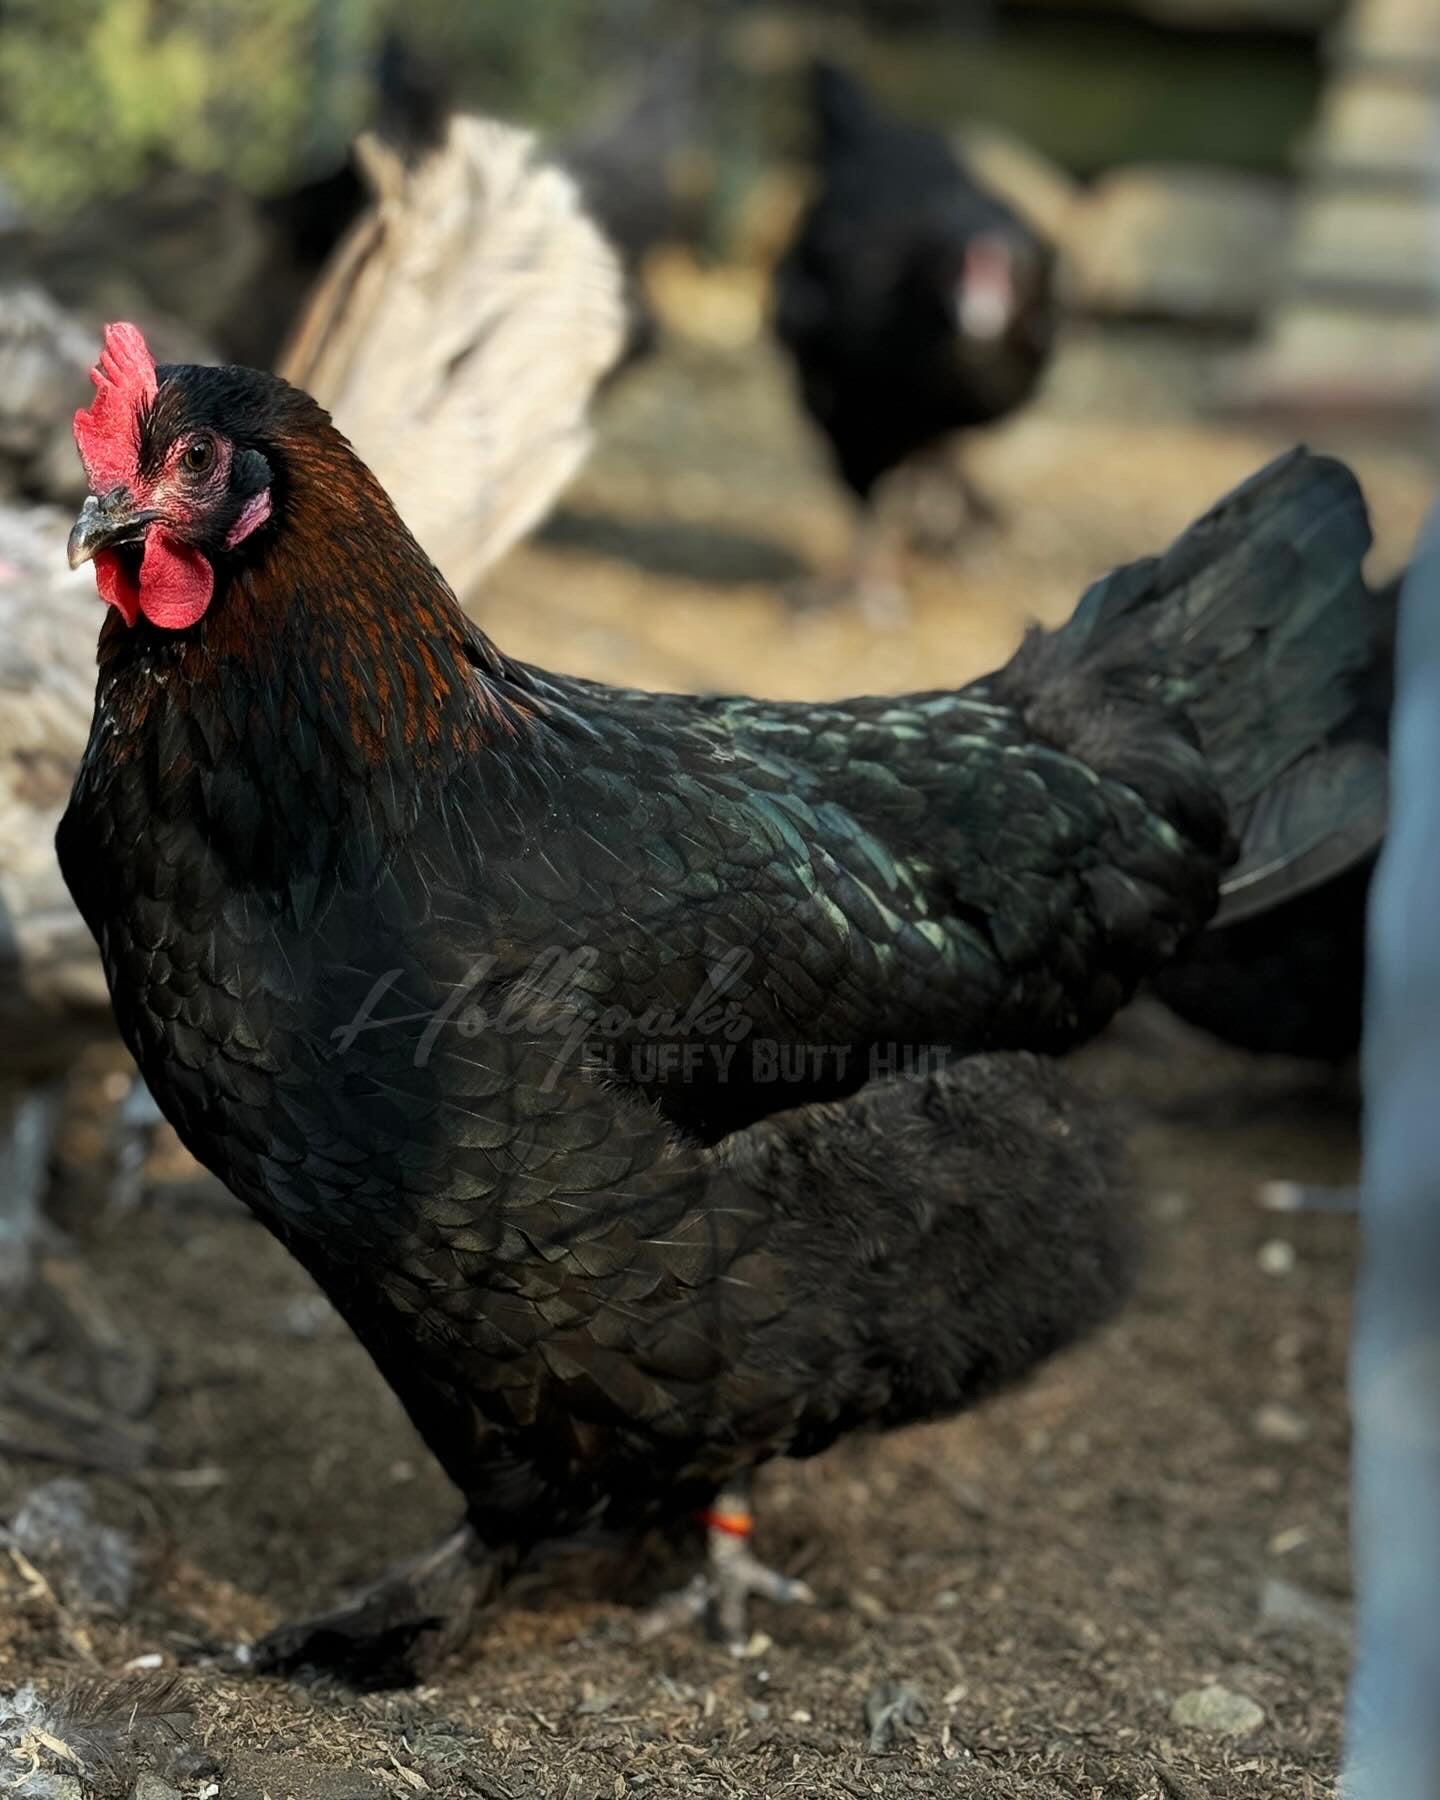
pixel 602 1053
pixel 914 303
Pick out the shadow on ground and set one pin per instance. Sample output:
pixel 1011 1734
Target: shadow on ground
pixel 675 547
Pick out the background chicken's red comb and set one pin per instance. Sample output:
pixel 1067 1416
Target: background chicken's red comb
pixel 107 431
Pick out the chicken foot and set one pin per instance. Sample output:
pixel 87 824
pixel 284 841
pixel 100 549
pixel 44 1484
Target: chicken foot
pixel 734 1575
pixel 873 581
pixel 391 1633
pixel 942 504
pixel 931 501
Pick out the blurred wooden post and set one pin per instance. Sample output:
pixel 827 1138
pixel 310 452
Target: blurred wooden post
pixel 1355 326
pixel 1393 1751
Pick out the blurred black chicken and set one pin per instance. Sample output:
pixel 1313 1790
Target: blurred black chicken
pixel 914 303
pixel 561 1031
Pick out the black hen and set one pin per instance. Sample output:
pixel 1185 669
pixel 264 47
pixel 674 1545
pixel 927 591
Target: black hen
pixel 555 1027
pixel 915 304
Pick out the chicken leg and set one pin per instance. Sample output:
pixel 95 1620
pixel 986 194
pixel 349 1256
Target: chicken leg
pixel 944 505
pixel 872 580
pixel 733 1576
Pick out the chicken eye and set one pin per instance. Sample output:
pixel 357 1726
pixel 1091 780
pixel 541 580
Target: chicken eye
pixel 198 456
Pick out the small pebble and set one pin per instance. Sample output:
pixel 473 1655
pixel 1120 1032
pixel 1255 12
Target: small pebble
pixel 969 1498
pixel 1279 1424
pixel 1276 1258
pixel 1219 1711
pixel 1170 1206
pixel 1286 1607
pixel 92 1566
pixel 149 1786
pixel 593 1705
pixel 306 1317
pixel 42 1786
pixel 193 1762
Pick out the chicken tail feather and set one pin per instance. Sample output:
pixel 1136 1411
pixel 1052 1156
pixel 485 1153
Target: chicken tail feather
pixel 1258 627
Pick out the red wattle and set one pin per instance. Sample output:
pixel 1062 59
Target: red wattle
pixel 174 588
pixel 176 582
pixel 112 580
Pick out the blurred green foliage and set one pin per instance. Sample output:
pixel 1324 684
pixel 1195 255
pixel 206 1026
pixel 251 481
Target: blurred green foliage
pixel 92 92
pixel 517 57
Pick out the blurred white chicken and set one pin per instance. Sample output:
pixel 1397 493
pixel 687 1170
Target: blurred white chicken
pixel 458 336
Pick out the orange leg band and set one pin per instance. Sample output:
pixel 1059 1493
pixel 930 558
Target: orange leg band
pixel 736 1524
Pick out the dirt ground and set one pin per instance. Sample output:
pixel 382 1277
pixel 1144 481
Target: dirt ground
pixel 1161 1511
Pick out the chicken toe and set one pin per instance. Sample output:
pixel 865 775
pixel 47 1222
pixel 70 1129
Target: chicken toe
pixel 733 1576
pixel 391 1633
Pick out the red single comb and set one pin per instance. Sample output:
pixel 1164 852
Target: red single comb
pixel 107 432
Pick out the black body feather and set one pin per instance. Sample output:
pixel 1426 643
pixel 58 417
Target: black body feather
pixel 435 958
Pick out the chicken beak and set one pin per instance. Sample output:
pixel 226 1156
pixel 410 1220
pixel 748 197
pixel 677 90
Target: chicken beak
pixel 112 519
